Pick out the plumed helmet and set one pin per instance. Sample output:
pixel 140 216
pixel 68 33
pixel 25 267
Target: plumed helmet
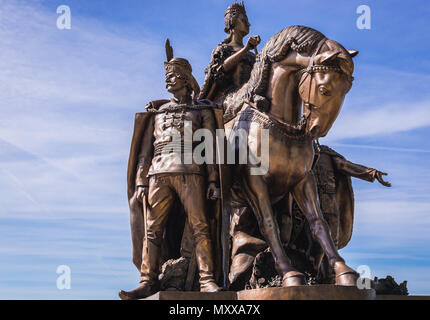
pixel 181 67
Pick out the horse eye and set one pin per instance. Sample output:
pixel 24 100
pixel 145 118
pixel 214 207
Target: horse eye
pixel 324 91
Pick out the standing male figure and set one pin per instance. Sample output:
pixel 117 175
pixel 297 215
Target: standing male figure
pixel 333 176
pixel 162 176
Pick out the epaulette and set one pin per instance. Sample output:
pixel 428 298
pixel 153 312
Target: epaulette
pixel 155 104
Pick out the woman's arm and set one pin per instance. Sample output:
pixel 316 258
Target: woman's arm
pixel 234 59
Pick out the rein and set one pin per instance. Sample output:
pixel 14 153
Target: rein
pixel 310 70
pixel 300 128
pixel 313 68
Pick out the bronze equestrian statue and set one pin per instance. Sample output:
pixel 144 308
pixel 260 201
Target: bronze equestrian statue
pixel 297 67
pixel 283 98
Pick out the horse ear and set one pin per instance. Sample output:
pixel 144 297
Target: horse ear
pixel 352 53
pixel 327 56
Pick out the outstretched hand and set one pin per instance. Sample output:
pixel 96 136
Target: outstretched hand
pixel 378 176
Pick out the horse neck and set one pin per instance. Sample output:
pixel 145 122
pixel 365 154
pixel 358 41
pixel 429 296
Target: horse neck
pixel 284 95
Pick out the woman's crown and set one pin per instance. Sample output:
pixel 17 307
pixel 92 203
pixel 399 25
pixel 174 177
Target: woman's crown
pixel 235 9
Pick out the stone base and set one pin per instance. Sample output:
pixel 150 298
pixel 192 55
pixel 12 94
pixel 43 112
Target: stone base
pixel 192 295
pixel 317 292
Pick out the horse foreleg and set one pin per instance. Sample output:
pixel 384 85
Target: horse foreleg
pixel 306 196
pixel 259 200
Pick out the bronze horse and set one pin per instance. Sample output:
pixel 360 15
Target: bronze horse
pixel 296 90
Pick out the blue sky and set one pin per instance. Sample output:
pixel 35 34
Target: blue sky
pixel 68 98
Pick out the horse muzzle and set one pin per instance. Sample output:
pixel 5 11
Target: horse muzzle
pixel 313 128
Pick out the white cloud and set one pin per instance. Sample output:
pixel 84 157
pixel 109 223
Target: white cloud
pixel 382 101
pixel 379 147
pixel 67 100
pixel 383 119
pixel 86 65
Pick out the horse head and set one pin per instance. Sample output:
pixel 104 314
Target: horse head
pixel 299 59
pixel 323 85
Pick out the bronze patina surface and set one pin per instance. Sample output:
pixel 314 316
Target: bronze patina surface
pixel 159 179
pixel 231 61
pixel 280 228
pixel 252 262
pixel 297 67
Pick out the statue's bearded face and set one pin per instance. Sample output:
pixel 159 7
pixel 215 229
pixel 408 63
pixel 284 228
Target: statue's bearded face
pixel 175 82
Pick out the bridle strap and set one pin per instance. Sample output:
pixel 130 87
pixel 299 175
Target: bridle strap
pixel 317 50
pixel 308 70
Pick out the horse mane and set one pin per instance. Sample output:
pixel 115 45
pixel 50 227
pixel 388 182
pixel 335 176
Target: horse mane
pixel 297 38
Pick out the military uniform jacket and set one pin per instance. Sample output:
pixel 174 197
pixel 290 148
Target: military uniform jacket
pixel 154 129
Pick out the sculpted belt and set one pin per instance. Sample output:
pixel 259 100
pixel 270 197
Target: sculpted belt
pixel 171 147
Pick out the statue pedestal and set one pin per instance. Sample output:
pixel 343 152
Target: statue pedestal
pixel 192 295
pixel 317 292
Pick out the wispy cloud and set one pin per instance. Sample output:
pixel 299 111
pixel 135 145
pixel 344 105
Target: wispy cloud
pixel 379 147
pixel 383 101
pixel 383 119
pixel 67 100
pixel 85 65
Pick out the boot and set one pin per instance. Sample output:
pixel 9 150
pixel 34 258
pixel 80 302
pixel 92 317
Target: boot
pixel 206 266
pixel 150 268
pixel 210 286
pixel 144 290
pixel 148 274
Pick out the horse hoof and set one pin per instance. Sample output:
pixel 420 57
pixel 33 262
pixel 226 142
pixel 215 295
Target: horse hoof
pixel 293 278
pixel 347 279
pixel 345 276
